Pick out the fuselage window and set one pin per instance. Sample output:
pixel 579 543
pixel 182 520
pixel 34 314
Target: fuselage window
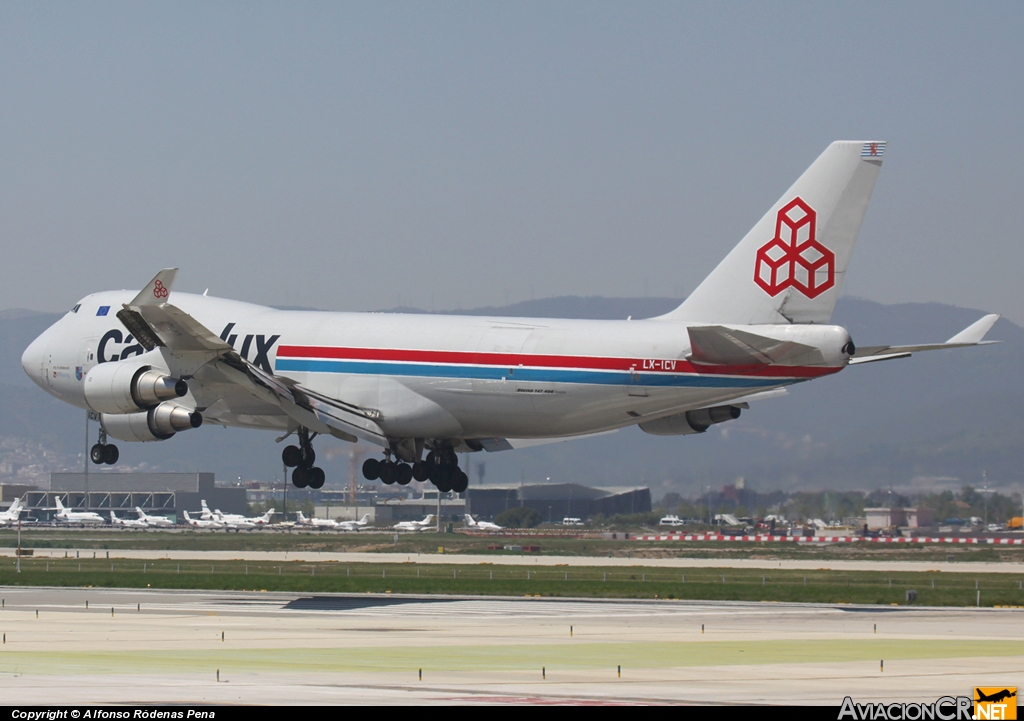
pixel 75 309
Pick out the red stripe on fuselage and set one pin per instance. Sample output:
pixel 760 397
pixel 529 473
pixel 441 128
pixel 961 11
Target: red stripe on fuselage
pixel 439 357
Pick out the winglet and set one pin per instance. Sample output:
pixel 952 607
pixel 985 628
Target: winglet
pixel 157 290
pixel 973 333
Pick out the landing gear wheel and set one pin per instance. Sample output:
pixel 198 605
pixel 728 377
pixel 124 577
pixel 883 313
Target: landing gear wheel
pixel 420 471
pixel 388 473
pixel 317 477
pixel 460 482
pixel 300 477
pixel 309 457
pixel 292 456
pixel 404 473
pixel 371 469
pixel 110 454
pixel 441 474
pixel 96 454
pixel 443 485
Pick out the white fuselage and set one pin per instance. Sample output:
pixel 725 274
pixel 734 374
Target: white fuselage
pixel 433 376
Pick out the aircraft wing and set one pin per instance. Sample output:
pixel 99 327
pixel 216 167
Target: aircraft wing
pixel 156 323
pixel 971 335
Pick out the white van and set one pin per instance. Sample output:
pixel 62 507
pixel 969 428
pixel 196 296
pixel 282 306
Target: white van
pixel 571 521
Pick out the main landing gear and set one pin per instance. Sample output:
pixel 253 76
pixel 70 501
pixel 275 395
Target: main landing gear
pixel 301 458
pixel 441 467
pixel 104 452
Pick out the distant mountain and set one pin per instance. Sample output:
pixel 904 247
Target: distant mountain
pixel 940 415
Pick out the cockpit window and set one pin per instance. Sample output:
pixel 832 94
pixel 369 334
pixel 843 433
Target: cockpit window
pixel 77 306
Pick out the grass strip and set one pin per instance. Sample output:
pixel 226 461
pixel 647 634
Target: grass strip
pixel 728 584
pixel 570 655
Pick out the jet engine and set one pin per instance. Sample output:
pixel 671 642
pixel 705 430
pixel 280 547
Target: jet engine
pixel 126 387
pixel 689 422
pixel 156 424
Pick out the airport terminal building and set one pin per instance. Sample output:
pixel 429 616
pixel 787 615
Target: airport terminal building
pixel 164 494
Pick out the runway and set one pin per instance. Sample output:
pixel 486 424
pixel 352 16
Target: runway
pixel 167 647
pixel 975 567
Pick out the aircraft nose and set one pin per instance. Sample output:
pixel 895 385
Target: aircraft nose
pixel 32 359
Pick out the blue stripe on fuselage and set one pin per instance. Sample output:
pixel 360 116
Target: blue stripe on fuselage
pixel 541 375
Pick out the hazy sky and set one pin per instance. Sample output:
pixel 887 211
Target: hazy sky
pixel 362 155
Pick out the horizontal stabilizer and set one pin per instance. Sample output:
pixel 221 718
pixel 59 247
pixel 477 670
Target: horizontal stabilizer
pixel 718 345
pixel 971 335
pixel 493 445
pixel 745 401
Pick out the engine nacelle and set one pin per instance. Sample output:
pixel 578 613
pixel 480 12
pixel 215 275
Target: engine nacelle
pixel 156 424
pixel 120 387
pixel 689 422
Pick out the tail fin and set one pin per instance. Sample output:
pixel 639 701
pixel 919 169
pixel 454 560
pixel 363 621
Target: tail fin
pixel 60 506
pixel 365 518
pixel 790 267
pixel 187 517
pixel 140 512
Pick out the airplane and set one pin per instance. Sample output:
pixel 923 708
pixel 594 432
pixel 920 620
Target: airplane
pixel 301 520
pixel 355 525
pixel 206 514
pixel 235 520
pixel 423 525
pixel 154 521
pixel 997 696
pixel 201 522
pixel 13 513
pixel 482 525
pixel 150 364
pixel 127 522
pixel 65 515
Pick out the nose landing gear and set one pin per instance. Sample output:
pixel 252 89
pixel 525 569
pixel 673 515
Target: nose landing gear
pixel 301 458
pixel 104 452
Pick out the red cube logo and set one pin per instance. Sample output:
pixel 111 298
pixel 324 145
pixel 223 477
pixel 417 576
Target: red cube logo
pixel 794 257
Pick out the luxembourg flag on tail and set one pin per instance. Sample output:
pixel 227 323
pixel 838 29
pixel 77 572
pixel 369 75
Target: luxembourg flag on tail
pixel 874 149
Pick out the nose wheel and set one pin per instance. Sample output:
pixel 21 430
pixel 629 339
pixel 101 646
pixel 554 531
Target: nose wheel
pixel 301 458
pixel 104 452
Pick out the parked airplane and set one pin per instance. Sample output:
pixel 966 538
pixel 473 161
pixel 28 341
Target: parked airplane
pixel 424 387
pixel 202 523
pixel 328 523
pixel 127 522
pixel 423 525
pixel 13 513
pixel 65 515
pixel 355 525
pixel 154 521
pixel 482 525
pixel 235 520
